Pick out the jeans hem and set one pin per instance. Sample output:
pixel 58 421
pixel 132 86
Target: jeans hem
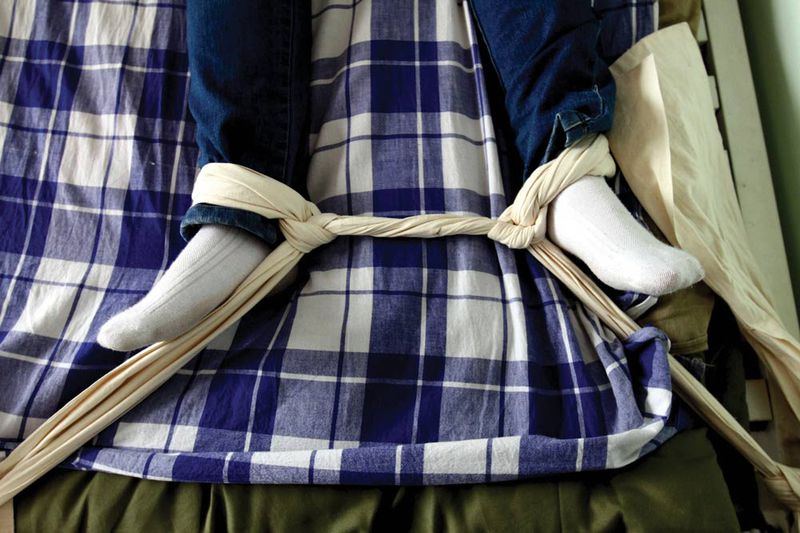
pixel 200 214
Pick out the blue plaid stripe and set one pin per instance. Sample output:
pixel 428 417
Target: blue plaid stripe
pixel 396 361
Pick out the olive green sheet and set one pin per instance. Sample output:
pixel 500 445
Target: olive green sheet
pixel 676 11
pixel 679 487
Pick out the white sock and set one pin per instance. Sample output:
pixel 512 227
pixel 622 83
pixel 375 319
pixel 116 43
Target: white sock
pixel 205 273
pixel 588 220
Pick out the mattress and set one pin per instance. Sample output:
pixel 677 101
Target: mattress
pixel 389 362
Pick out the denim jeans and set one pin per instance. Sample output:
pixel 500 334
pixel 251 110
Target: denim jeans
pixel 249 96
pixel 250 67
pixel 556 86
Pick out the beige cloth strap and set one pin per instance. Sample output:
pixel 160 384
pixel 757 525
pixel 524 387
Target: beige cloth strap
pixel 521 225
pixel 305 228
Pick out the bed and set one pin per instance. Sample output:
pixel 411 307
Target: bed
pixel 159 146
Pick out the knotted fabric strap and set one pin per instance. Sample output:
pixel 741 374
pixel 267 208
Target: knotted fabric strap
pixel 520 226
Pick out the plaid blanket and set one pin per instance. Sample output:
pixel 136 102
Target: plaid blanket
pixel 391 361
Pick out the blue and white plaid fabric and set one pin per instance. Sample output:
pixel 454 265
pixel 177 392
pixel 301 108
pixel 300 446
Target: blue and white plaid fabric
pixel 394 361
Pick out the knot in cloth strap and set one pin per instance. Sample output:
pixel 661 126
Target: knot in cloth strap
pixel 240 187
pixel 785 485
pixel 514 235
pixel 524 222
pixel 305 235
pixel 521 225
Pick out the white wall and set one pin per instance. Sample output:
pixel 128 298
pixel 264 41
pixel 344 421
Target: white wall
pixel 772 29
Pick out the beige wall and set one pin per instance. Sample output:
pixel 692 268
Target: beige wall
pixel 772 30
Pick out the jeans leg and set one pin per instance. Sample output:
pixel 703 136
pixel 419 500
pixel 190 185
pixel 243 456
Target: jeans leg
pixel 250 67
pixel 557 88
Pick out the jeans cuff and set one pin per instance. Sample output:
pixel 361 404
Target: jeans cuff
pixel 200 214
pixel 571 126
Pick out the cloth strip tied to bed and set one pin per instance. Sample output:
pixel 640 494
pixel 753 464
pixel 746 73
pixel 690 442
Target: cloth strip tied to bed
pixel 521 226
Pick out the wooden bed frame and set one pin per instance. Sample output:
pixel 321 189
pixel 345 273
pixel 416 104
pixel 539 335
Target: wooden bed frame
pixel 722 41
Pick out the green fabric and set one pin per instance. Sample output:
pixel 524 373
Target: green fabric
pixel 679 487
pixel 676 11
pixel 683 315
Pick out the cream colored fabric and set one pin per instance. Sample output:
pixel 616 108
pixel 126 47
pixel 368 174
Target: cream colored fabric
pixel 681 175
pixel 305 228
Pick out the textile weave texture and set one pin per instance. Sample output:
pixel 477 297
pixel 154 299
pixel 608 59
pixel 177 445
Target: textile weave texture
pixel 391 361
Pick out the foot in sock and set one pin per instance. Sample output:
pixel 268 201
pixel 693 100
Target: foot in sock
pixel 205 273
pixel 588 220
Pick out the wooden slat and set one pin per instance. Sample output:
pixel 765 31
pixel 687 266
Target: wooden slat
pixel 712 83
pixel 758 405
pixel 702 33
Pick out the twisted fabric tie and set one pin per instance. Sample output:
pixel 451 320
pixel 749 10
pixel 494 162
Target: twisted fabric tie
pixel 522 225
